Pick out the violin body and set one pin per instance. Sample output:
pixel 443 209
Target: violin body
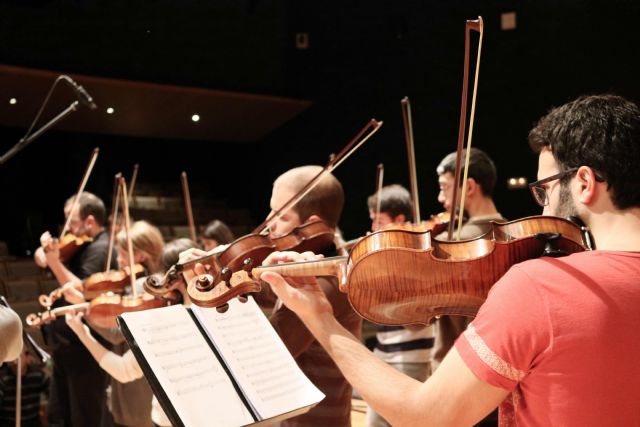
pixel 104 309
pixel 70 244
pixel 403 277
pixel 109 281
pixel 436 225
pixel 97 284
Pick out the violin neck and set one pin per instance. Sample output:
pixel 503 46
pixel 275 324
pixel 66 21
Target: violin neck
pixel 61 311
pixel 333 266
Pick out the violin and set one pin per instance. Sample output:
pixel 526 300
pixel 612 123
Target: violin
pixel 70 244
pixel 97 284
pixel 243 254
pixel 396 277
pixel 103 310
pixel 437 224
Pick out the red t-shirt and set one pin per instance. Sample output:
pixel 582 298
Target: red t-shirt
pixel 561 335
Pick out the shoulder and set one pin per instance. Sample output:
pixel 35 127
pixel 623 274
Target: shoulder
pixel 10 333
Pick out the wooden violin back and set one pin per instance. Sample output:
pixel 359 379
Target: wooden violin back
pixel 398 278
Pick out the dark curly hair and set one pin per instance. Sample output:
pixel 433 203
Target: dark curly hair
pixel 394 200
pixel 599 131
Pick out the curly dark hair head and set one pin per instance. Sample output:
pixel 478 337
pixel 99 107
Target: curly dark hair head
pixel 599 131
pixel 481 169
pixel 394 200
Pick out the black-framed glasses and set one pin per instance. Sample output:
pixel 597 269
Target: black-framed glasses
pixel 539 191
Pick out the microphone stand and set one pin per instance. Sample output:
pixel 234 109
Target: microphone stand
pixel 28 139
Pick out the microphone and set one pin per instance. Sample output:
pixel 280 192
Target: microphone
pixel 83 95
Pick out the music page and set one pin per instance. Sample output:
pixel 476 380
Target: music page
pixel 187 368
pixel 258 359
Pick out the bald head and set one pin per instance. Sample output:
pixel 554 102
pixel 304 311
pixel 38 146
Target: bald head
pixel 325 200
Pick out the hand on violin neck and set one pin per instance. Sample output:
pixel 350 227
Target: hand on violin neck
pixel 191 254
pixel 75 323
pixel 290 256
pixel 72 294
pixel 302 295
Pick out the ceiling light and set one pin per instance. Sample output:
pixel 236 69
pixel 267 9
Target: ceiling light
pixel 110 110
pixel 195 118
pixel 12 101
pixel 517 183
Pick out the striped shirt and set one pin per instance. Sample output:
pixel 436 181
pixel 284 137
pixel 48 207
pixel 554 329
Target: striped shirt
pixel 398 344
pixel 34 383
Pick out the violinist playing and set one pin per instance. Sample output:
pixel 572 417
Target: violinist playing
pixel 130 402
pixel 480 210
pixel 123 366
pixel 324 202
pixel 77 389
pixel 555 342
pixel 407 349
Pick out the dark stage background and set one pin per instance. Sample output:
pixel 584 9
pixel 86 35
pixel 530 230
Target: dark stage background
pixel 362 58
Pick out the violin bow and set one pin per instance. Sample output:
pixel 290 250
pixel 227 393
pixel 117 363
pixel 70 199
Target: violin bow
pixel 408 136
pixel 83 183
pixel 471 25
pixel 114 219
pixel 127 227
pixel 334 161
pixel 187 206
pixel 379 180
pixel 134 177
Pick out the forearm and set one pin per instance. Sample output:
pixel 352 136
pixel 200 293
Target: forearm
pixel 62 273
pixel 384 388
pixel 453 396
pixel 123 368
pixel 95 348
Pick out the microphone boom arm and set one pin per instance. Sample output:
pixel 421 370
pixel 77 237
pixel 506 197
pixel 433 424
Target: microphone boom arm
pixel 27 140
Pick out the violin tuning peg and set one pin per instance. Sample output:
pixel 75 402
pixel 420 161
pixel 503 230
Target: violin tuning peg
pixel 222 308
pixel 204 282
pixel 247 264
pixel 225 275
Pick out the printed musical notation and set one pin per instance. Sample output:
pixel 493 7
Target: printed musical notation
pixel 258 358
pixel 186 367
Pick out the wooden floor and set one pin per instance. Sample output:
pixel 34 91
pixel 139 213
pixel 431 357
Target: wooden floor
pixel 358 412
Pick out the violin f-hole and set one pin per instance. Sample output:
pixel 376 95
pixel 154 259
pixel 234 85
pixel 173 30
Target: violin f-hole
pixel 549 249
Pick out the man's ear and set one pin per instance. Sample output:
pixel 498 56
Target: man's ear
pixel 586 185
pixel 472 186
pixel 91 220
pixel 314 218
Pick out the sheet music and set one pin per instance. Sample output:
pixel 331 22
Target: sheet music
pixel 186 368
pixel 257 357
